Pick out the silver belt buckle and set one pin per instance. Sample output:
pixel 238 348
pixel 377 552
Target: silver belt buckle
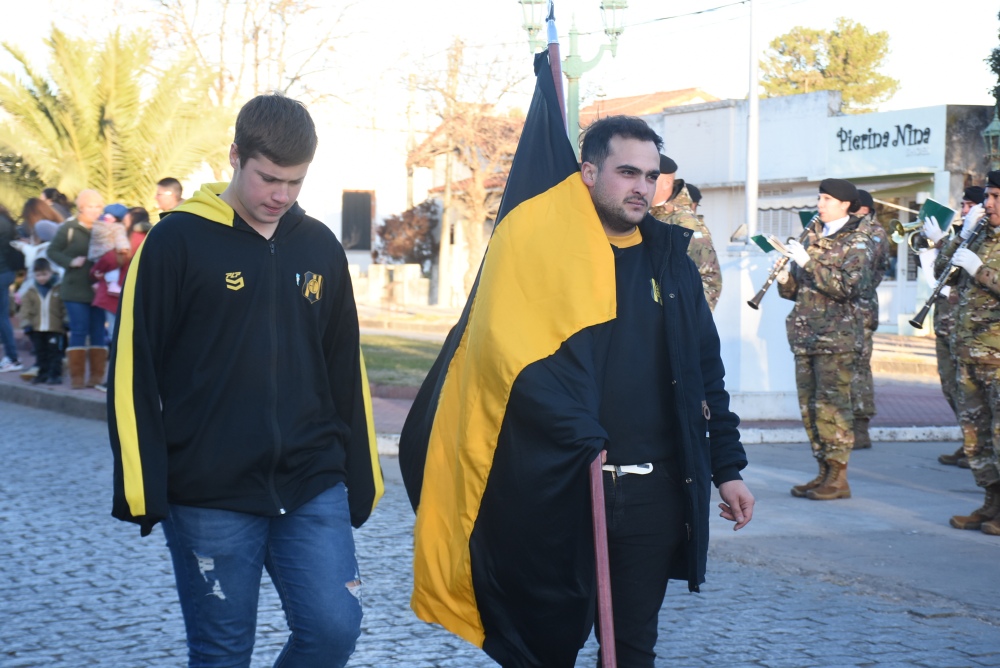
pixel 638 469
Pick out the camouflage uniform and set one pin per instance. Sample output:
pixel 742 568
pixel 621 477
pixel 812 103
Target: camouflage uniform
pixel 975 340
pixel 825 333
pixel 678 211
pixel 944 318
pixel 862 385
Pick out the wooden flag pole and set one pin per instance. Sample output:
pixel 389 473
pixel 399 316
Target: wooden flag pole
pixel 605 617
pixel 555 61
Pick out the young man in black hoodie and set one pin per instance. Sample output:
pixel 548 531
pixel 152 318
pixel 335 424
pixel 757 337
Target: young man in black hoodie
pixel 238 405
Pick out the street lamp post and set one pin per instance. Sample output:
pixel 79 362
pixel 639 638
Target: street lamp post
pixel 991 135
pixel 574 66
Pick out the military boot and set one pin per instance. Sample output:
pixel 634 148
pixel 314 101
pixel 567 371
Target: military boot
pixel 824 470
pixel 952 459
pixel 834 487
pixel 862 440
pixel 990 510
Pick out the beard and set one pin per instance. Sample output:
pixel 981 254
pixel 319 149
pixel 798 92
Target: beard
pixel 616 218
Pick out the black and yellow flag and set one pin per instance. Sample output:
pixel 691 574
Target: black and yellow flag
pixel 496 448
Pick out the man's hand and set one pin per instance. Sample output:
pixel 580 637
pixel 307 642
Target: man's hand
pixel 78 261
pixel 970 220
pixel 737 503
pixel 967 260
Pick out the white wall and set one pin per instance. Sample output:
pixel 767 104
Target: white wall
pixel 352 158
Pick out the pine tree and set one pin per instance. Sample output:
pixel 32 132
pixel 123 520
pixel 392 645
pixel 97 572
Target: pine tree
pixel 847 59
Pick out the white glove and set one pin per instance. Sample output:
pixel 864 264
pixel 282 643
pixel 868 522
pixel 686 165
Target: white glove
pixel 797 252
pixel 782 277
pixel 967 260
pixel 971 218
pixel 932 231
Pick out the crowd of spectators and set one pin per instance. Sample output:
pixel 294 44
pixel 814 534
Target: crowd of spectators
pixel 62 267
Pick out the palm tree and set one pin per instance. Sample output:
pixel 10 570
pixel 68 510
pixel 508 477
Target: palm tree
pixel 108 117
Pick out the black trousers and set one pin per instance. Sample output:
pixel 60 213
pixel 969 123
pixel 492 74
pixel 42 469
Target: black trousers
pixel 48 354
pixel 645 530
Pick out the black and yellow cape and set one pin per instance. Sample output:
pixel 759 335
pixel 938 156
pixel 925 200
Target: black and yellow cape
pixel 496 448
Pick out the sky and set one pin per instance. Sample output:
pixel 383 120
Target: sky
pixel 936 52
pixel 665 45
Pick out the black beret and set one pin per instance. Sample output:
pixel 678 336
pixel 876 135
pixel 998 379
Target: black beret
pixel 678 186
pixel 667 166
pixel 976 194
pixel 993 180
pixel 865 199
pixel 839 189
pixel 695 193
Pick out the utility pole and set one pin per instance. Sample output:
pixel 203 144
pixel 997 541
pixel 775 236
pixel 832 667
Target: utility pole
pixel 446 251
pixel 411 141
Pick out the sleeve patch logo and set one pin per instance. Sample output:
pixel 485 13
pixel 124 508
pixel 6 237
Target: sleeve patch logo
pixel 312 287
pixel 234 280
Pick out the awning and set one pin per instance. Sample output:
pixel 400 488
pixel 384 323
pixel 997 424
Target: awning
pixel 882 189
pixel 794 201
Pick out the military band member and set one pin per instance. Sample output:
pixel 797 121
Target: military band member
pixel 944 307
pixel 863 386
pixel 695 193
pixel 828 275
pixel 672 203
pixel 976 343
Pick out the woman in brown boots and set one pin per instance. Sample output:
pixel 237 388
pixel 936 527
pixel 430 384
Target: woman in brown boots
pixel 87 338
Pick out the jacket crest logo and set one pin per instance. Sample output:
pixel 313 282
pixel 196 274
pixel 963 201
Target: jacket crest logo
pixel 654 291
pixel 312 287
pixel 234 280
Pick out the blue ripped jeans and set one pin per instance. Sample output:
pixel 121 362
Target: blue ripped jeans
pixel 218 558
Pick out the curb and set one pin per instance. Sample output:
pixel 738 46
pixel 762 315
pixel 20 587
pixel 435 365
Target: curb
pixel 53 400
pixel 388 444
pixel 878 434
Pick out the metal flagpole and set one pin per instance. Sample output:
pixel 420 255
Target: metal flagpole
pixel 753 131
pixel 605 618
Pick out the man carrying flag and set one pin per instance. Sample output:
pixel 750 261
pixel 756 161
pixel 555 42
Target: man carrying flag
pixel 587 330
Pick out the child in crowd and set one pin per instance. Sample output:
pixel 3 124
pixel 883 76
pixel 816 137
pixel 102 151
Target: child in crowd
pixel 108 233
pixel 43 316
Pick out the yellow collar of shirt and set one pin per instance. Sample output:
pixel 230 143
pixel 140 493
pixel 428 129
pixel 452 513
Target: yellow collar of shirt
pixel 629 240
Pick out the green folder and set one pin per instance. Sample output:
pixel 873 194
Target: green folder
pixel 762 241
pixel 806 217
pixel 943 214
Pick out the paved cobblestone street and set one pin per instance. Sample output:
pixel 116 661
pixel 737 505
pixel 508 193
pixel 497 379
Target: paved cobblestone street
pixel 877 580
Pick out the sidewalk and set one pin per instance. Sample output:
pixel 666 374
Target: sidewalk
pixel 909 409
pixel 908 398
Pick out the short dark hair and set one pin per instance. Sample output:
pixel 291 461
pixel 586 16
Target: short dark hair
pixel 41 264
pixel 138 216
pixel 277 127
pixel 54 195
pixel 596 143
pixel 171 184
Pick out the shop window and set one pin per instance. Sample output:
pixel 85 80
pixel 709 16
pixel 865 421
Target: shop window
pixel 782 223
